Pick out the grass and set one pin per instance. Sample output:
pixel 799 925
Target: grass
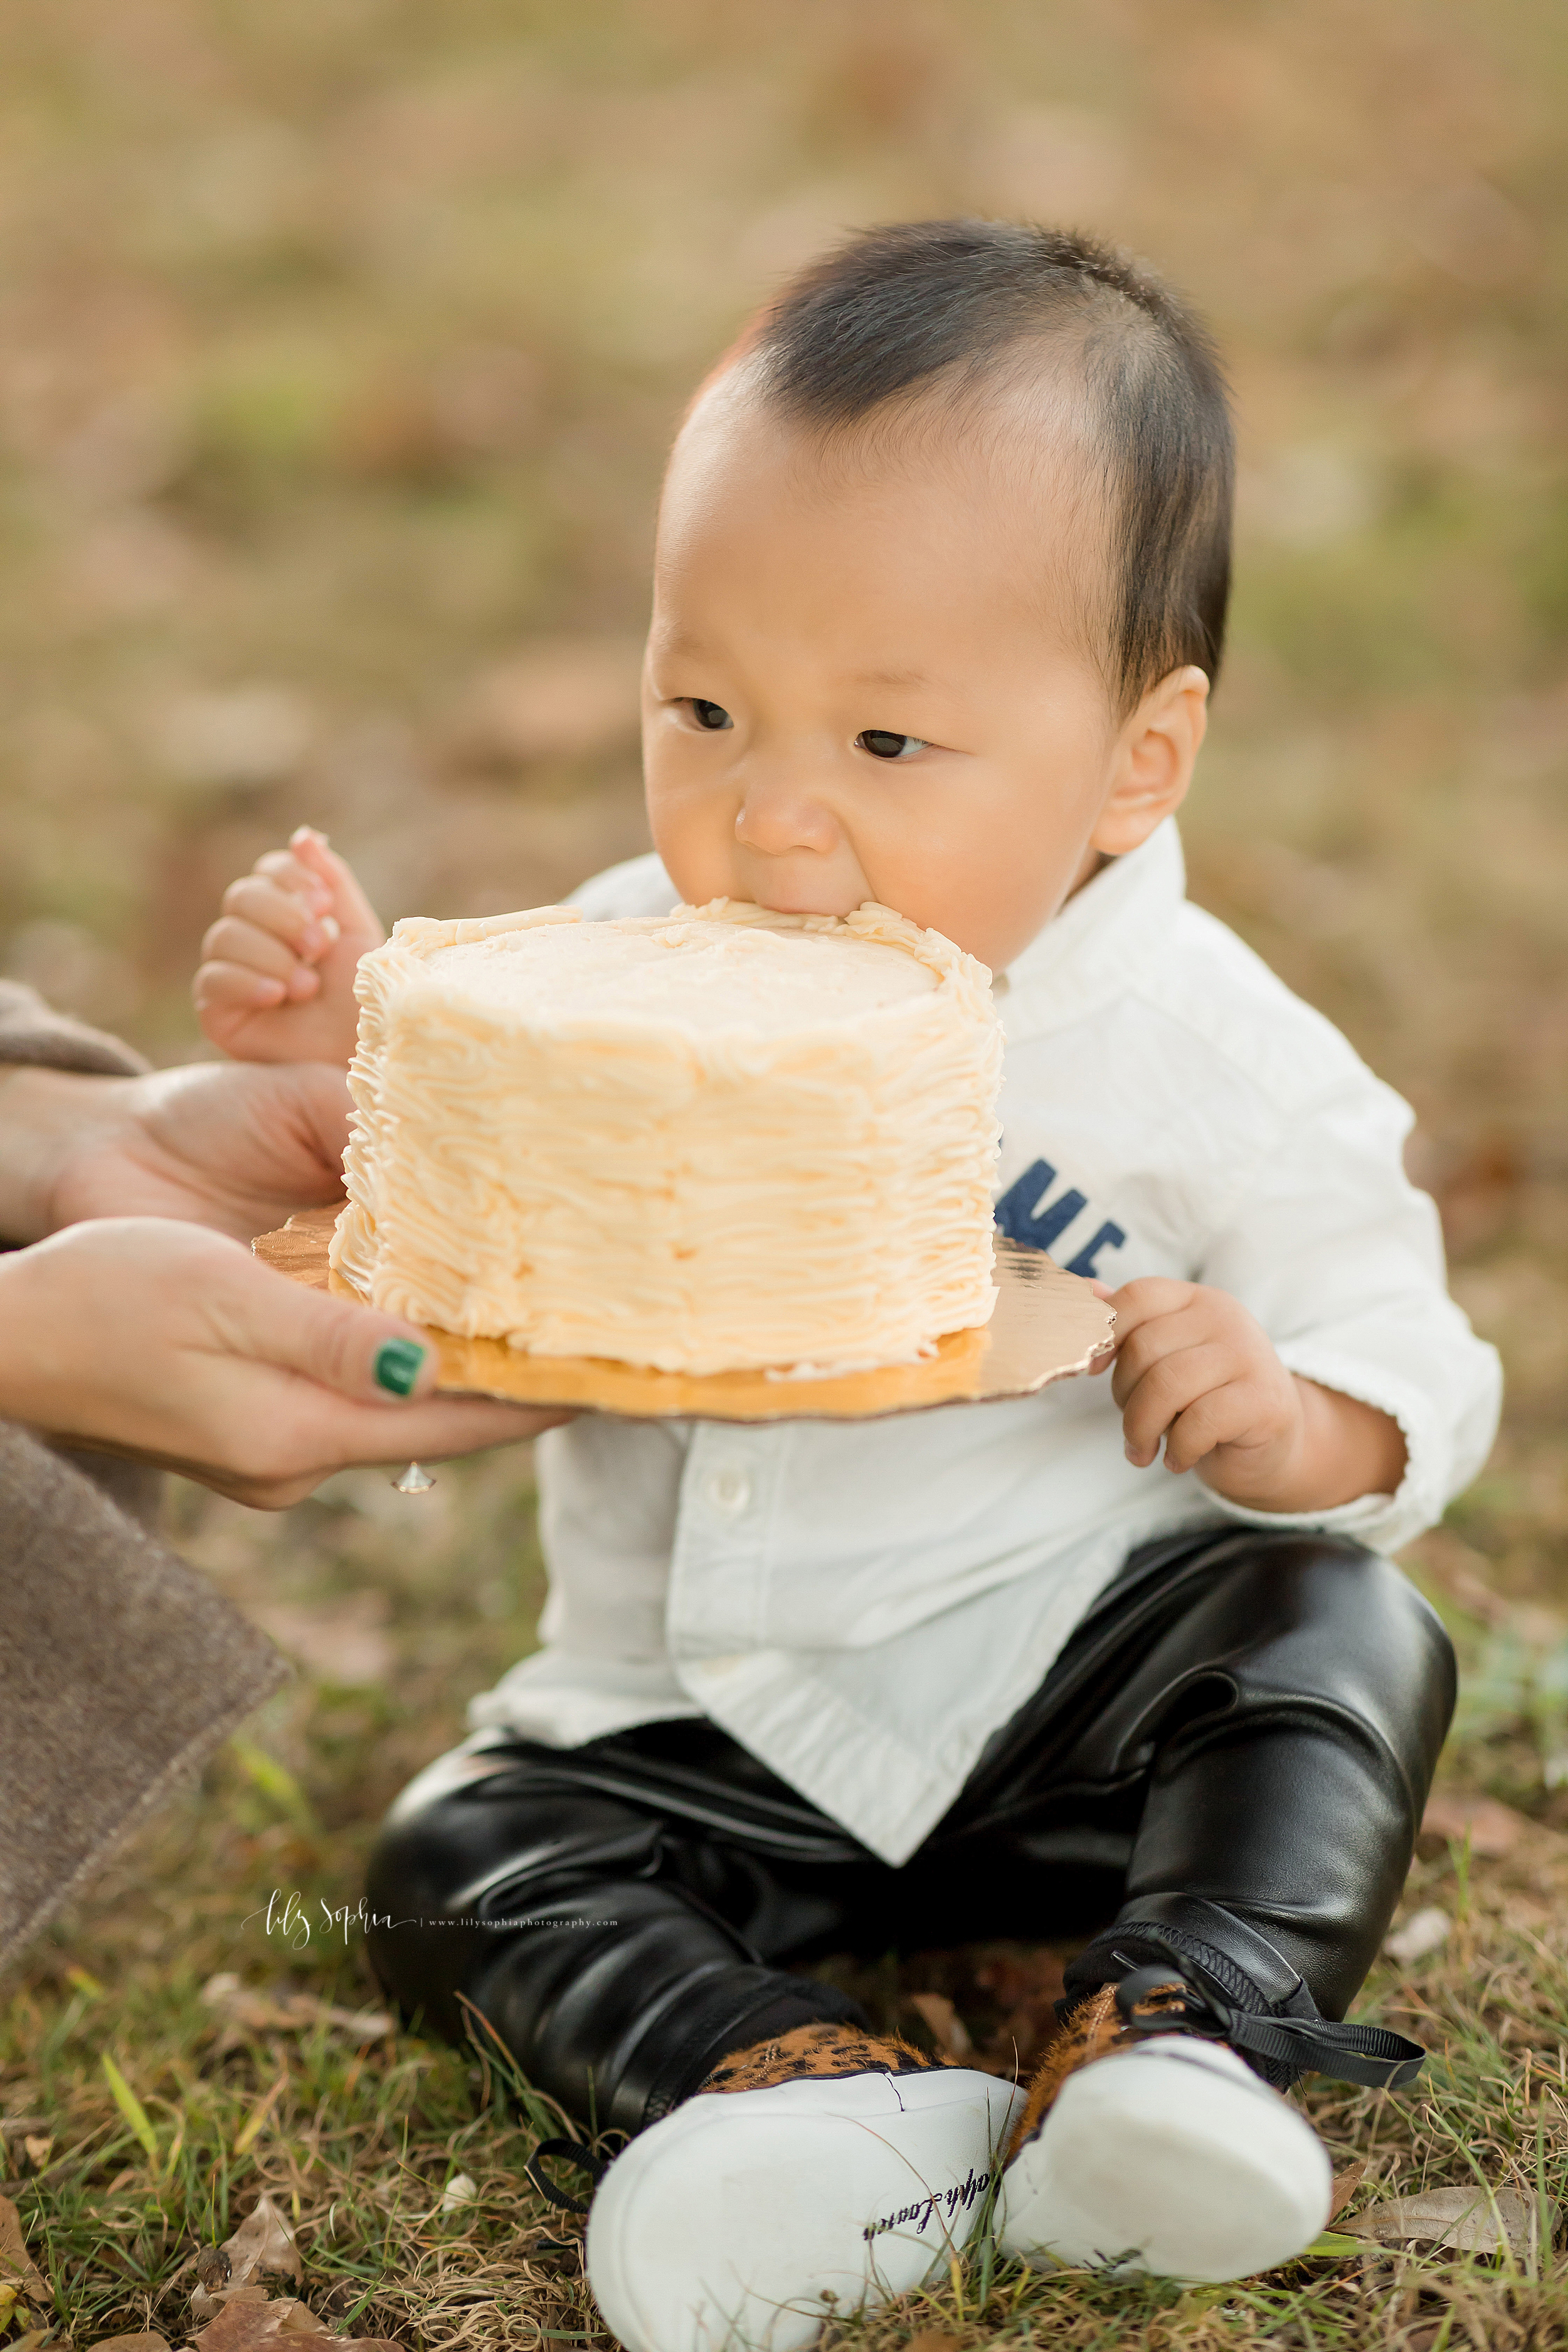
pixel 342 342
pixel 163 2117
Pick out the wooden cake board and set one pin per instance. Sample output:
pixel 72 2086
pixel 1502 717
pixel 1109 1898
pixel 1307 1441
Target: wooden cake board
pixel 1048 1325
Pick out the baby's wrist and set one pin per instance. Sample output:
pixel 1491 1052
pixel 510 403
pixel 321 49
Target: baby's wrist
pixel 1336 1451
pixel 1268 1474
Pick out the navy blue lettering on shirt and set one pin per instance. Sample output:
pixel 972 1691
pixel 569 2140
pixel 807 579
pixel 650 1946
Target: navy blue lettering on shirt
pixel 1026 1213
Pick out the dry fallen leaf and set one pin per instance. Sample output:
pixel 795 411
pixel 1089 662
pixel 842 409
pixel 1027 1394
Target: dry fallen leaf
pixel 1346 2183
pixel 250 2012
pixel 950 2033
pixel 37 2147
pixel 1025 1985
pixel 261 2250
pixel 1464 2221
pixel 242 2322
pixel 1421 1933
pixel 1493 1830
pixel 286 2325
pixel 149 2341
pixel 16 2265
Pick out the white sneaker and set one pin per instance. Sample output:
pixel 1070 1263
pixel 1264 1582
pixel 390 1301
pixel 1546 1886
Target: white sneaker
pixel 734 2219
pixel 1169 2157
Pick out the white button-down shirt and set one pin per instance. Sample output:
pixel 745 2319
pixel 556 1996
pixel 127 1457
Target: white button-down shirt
pixel 862 1604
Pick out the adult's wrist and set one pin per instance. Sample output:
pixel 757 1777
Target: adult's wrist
pixel 43 1114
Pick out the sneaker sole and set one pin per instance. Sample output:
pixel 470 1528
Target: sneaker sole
pixel 739 2216
pixel 1172 2157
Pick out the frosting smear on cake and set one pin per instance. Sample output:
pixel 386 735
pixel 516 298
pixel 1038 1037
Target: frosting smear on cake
pixel 716 1140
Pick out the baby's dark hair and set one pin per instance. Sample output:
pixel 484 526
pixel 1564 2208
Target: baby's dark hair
pixel 894 308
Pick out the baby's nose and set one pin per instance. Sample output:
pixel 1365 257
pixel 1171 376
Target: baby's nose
pixel 779 812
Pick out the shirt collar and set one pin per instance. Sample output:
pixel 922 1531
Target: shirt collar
pixel 1087 953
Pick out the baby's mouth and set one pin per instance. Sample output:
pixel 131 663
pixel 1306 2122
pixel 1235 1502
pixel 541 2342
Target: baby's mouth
pixel 806 895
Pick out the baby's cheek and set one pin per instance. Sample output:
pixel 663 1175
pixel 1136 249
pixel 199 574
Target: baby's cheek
pixel 693 831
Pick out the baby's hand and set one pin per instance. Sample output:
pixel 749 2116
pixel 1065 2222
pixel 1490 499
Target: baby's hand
pixel 277 983
pixel 1195 1367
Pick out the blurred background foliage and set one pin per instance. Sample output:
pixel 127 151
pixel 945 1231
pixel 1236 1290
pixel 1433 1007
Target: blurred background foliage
pixel 340 341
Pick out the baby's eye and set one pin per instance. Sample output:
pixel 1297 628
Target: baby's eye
pixel 710 715
pixel 883 744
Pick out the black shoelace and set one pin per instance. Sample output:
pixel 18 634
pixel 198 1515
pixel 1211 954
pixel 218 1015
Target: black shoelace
pixel 564 2151
pixel 1368 2054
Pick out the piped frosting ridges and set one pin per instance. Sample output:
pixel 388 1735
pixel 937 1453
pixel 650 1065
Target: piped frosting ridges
pixel 775 1149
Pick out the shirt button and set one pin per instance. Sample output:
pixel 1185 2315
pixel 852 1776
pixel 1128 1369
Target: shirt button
pixel 727 1490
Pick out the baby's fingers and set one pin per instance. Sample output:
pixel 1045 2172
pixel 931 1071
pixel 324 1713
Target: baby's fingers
pixel 231 945
pixel 1167 1388
pixel 1219 1417
pixel 292 874
pixel 235 988
pixel 314 855
pixel 272 908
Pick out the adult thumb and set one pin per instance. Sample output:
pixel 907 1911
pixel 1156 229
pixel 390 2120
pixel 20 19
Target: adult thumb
pixel 356 1352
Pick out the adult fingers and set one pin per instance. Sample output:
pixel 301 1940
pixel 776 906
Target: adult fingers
pixel 309 1435
pixel 355 1351
pixel 431 1430
pixel 362 1394
pixel 377 1361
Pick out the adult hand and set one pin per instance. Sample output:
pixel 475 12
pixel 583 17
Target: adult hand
pixel 233 1146
pixel 175 1344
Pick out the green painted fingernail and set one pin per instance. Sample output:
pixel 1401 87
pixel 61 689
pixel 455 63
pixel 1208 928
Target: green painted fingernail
pixel 398 1363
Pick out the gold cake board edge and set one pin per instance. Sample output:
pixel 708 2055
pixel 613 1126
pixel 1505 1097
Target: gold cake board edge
pixel 1048 1325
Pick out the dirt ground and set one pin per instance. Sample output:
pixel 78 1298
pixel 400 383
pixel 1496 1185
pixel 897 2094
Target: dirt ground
pixel 340 344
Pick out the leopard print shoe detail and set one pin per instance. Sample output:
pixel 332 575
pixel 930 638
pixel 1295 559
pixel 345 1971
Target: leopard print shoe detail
pixel 1095 2028
pixel 816 2052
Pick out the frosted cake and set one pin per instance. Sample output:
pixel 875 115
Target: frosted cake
pixel 716 1140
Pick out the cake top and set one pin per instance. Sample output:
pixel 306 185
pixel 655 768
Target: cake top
pixel 724 967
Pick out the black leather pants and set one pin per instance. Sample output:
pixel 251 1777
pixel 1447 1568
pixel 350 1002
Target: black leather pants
pixel 1233 1752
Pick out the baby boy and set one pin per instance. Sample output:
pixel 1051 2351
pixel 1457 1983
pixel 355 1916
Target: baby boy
pixel 940 595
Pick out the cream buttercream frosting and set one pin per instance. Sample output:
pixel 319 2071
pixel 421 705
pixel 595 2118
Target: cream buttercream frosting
pixel 716 1140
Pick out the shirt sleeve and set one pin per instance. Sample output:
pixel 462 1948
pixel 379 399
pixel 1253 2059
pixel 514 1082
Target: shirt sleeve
pixel 1341 1259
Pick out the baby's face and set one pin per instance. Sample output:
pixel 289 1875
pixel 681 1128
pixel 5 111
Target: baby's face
pixel 861 683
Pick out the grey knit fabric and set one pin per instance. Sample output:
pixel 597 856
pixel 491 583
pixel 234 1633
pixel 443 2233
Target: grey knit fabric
pixel 121 1669
pixel 30 1032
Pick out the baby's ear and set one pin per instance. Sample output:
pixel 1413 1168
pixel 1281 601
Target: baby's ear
pixel 1151 764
